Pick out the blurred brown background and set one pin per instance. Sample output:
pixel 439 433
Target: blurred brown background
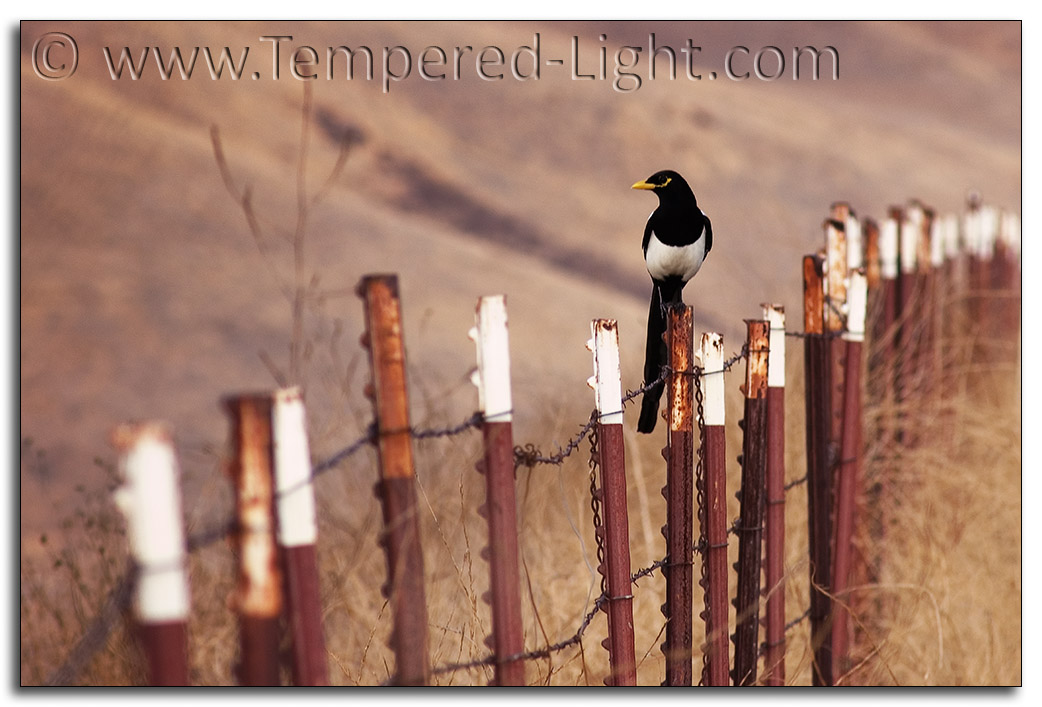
pixel 144 294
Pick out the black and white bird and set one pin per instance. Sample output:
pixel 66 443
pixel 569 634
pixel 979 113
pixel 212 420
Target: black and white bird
pixel 677 239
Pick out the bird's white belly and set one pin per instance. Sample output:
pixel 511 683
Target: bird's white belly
pixel 674 261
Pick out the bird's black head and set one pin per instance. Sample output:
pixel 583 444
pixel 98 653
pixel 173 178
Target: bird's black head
pixel 667 184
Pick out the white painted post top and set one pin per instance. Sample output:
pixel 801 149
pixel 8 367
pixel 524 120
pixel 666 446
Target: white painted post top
pixel 989 232
pixel 493 350
pixel 855 247
pixel 294 493
pixel 888 237
pixel 910 230
pixel 711 353
pixel 971 232
pixel 857 296
pixel 606 380
pixel 151 501
pixel 1010 231
pixel 937 242
pixel 775 316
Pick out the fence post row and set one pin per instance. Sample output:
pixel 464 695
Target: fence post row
pixel 258 594
pixel 713 513
pixel 817 409
pixel 849 465
pixel 607 385
pixel 750 529
pixel 396 488
pixel 889 273
pixel 297 536
pixel 679 454
pixel 150 499
pixel 774 657
pixel 492 378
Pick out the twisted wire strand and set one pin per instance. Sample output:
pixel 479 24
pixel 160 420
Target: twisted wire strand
pixel 119 597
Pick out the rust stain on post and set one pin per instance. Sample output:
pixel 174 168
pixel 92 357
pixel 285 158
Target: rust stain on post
pixel 259 590
pixel 258 594
pixel 756 368
pixel 813 295
pixel 819 486
pixel 679 498
pixel 397 490
pixel 836 273
pixel 387 355
pixel 872 267
pixel 680 351
pixel 752 496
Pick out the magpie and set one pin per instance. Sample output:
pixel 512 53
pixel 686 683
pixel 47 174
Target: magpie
pixel 677 239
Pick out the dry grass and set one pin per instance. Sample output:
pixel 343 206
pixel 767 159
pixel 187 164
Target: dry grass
pixel 944 608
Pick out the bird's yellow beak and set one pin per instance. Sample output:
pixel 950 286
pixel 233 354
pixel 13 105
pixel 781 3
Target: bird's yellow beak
pixel 642 184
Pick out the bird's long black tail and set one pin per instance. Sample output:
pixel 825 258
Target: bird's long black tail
pixel 654 359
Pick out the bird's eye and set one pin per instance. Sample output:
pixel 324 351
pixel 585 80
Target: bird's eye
pixel 666 180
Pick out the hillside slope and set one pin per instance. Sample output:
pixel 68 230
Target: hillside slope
pixel 143 293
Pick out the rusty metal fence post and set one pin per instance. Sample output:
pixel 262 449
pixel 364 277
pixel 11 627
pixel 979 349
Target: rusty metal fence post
pixel 714 512
pixel 850 460
pixel 752 496
pixel 150 498
pixel 492 378
pixel 297 536
pixel 819 492
pixel 679 454
pixel 607 385
pixel 258 595
pixel 835 312
pixel 774 656
pixel 404 590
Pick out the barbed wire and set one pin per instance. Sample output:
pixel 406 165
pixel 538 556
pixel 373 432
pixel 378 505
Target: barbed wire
pixel 119 597
pixel 814 335
pixel 794 483
pixel 530 455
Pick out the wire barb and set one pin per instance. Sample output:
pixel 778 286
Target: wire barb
pixel 528 455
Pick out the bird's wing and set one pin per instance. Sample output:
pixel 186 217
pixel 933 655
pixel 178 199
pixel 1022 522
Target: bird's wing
pixel 648 230
pixel 708 233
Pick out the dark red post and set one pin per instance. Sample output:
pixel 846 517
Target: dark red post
pixel 850 460
pixel 679 496
pixel 500 508
pixel 151 501
pixel 713 514
pixel 774 657
pixel 607 385
pixel 258 595
pixel 819 486
pixel 297 536
pixel 752 497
